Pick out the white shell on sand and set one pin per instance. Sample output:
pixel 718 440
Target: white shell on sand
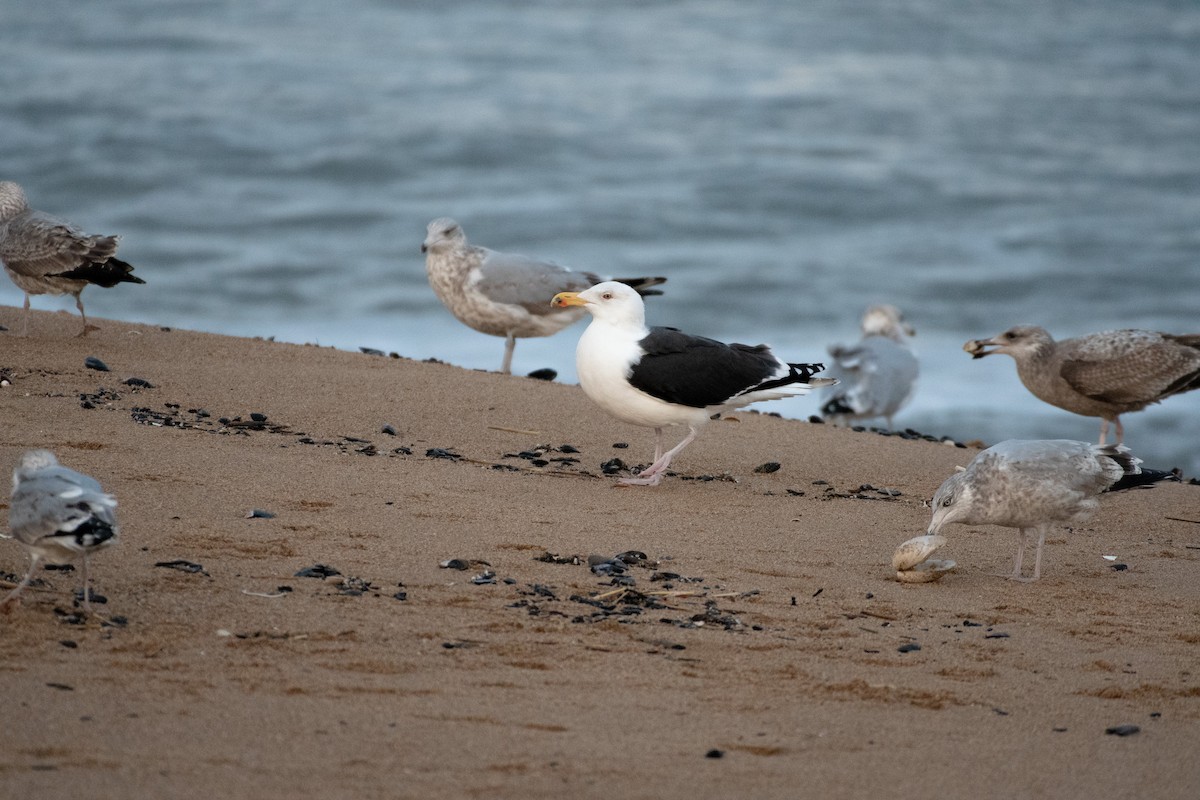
pixel 916 550
pixel 925 572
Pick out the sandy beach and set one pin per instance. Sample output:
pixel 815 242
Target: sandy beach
pixel 763 647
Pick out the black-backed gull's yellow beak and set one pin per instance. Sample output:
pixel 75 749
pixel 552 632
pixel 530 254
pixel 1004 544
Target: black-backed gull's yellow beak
pixel 564 299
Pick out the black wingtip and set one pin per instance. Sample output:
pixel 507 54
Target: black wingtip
pixel 102 273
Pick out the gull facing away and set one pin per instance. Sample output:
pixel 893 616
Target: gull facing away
pixel 1101 374
pixel 46 255
pixel 503 294
pixel 1030 484
pixel 59 515
pixel 878 375
pixel 655 377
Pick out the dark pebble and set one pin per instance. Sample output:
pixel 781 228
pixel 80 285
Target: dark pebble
pixel 568 448
pixel 441 452
pixel 820 482
pixel 141 383
pixel 795 493
pixel 404 451
pixel 767 468
pixel 911 647
pixel 818 591
pixel 69 644
pixel 612 466
pixel 455 563
pixel 545 374
pixel 815 420
pixel 257 417
pixel 621 445
pixel 401 595
pixel 389 430
pixel 968 624
pixel 91 362
pixel 317 571
pixel 715 753
pixel 181 565
pixel 92 596
pixel 61 686
pixel 1120 567
pixel 1122 730
pixel 258 513
pixel 371 351
pixel 996 636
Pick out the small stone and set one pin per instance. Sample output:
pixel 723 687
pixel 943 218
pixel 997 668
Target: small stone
pixel 91 362
pixel 715 753
pixel 621 445
pixel 389 429
pixel 317 571
pixel 1122 730
pixel 257 417
pixel 140 383
pixel 545 374
pixel 910 647
pixel 767 468
pixel 258 513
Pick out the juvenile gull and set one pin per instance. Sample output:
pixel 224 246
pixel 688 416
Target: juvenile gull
pixel 59 515
pixel 1101 374
pixel 503 294
pixel 878 375
pixel 46 255
pixel 1029 485
pixel 657 377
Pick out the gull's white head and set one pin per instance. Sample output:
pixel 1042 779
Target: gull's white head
pixel 952 502
pixel 30 462
pixel 12 200
pixel 611 302
pixel 443 234
pixel 886 320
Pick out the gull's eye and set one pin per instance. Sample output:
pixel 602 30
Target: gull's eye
pixel 947 502
pixel 607 296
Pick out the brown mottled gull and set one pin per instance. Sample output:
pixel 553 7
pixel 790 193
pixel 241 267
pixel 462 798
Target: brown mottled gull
pixel 878 374
pixel 59 515
pixel 503 294
pixel 1029 485
pixel 46 255
pixel 1101 374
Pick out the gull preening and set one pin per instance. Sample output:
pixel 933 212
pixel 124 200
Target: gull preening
pixel 1029 485
pixel 878 374
pixel 658 377
pixel 503 294
pixel 1101 374
pixel 46 255
pixel 58 515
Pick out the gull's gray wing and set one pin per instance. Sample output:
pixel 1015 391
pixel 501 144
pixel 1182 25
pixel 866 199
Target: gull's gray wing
pixel 521 281
pixel 36 244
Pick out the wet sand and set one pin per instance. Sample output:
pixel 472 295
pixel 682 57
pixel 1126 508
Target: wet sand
pixel 757 652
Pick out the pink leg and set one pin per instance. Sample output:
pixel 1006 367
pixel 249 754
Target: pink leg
pixel 83 316
pixel 1103 430
pixel 1016 575
pixel 11 596
pixel 652 475
pixel 510 344
pixel 25 332
pixel 1120 430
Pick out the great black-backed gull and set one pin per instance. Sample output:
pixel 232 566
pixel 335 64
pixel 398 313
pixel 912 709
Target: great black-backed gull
pixel 59 515
pixel 503 294
pixel 1101 374
pixel 656 377
pixel 1029 485
pixel 878 374
pixel 46 255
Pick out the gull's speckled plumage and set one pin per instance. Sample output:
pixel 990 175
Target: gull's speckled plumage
pixel 503 294
pixel 878 374
pixel 46 255
pixel 58 515
pixel 1031 485
pixel 1101 374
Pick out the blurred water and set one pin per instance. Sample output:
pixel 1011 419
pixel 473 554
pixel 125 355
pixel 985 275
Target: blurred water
pixel 271 166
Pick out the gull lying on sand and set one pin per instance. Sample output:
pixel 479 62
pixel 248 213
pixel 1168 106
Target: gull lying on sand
pixel 657 377
pixel 46 255
pixel 503 294
pixel 878 375
pixel 1029 485
pixel 1101 374
pixel 59 515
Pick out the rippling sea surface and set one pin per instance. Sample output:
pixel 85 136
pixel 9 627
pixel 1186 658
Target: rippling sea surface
pixel 272 165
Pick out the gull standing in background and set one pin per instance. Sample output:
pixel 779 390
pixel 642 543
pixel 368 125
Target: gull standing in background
pixel 878 374
pixel 46 255
pixel 1101 374
pixel 1028 485
pixel 503 294
pixel 655 377
pixel 59 515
